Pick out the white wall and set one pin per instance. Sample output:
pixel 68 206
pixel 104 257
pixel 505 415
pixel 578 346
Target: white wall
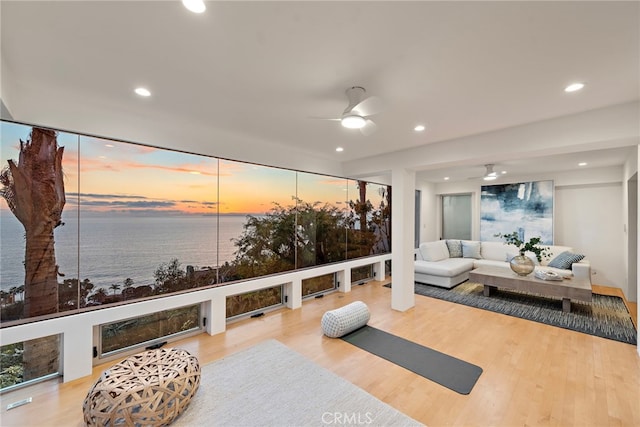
pixel 588 216
pixel 428 211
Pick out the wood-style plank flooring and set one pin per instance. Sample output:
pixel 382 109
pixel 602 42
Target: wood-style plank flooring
pixel 534 374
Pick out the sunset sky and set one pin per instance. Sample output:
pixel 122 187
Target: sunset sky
pixel 130 178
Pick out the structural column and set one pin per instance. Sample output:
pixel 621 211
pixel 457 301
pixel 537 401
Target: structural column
pixel 402 229
pixel 637 260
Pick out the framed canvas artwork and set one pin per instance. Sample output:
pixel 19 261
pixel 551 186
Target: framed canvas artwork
pixel 523 207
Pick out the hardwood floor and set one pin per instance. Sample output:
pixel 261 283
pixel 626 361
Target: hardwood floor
pixel 534 374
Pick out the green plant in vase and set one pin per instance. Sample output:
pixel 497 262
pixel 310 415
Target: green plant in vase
pixel 522 264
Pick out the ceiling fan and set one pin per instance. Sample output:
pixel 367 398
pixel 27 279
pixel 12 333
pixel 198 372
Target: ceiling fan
pixel 360 108
pixel 489 174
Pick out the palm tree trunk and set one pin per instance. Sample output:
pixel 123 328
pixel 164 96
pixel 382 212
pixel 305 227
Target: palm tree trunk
pixel 41 294
pixel 362 187
pixel 41 357
pixel 34 191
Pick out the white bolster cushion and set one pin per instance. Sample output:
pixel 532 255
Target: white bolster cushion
pixel 339 322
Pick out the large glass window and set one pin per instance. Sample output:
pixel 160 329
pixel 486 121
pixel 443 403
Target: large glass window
pixel 252 302
pixel 38 222
pixel 124 221
pixel 119 336
pixel 322 223
pixel 362 274
pixel 29 361
pixel 257 209
pixel 319 284
pixel 370 219
pixel 148 220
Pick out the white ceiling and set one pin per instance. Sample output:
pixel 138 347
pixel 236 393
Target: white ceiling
pixel 259 71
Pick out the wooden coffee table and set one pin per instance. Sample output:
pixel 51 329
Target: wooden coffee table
pixel 567 289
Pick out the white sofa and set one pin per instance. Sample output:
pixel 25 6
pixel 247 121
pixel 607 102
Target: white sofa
pixel 440 263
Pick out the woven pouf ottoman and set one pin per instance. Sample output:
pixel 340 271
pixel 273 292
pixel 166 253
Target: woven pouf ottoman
pixel 147 389
pixel 339 322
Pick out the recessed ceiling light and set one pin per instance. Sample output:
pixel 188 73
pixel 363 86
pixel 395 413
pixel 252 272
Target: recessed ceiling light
pixel 582 164
pixel 446 178
pixel 419 128
pixel 574 87
pixel 339 149
pixel 195 6
pixel 142 91
pixel 503 172
pixel 109 145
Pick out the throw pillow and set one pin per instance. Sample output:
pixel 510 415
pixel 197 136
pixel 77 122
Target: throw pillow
pixel 564 260
pixel 434 251
pixel 471 250
pixel 455 248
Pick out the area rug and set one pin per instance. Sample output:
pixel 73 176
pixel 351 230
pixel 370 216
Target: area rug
pixel 605 316
pixel 271 385
pixel 448 371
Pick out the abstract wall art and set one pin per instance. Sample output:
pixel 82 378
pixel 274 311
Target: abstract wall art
pixel 524 207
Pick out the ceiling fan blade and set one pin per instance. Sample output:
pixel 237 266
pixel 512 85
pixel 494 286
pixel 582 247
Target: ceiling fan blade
pixel 369 128
pixel 325 118
pixel 369 106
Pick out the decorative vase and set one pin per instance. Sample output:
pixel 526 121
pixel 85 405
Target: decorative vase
pixel 521 265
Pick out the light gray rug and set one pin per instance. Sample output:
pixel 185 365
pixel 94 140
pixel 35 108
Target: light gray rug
pixel 271 385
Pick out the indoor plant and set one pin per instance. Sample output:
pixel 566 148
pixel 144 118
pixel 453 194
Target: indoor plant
pixel 522 264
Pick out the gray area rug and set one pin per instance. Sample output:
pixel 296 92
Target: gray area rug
pixel 448 371
pixel 605 316
pixel 271 385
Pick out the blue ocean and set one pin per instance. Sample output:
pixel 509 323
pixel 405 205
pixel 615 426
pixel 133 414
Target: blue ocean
pixel 118 246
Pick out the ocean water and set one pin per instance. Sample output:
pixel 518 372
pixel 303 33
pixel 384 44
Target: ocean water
pixel 115 247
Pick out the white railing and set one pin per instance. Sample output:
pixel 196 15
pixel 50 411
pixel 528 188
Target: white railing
pixel 77 330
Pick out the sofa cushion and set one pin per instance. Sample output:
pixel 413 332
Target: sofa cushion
pixel 498 251
pixel 448 267
pixel 564 260
pixel 455 248
pixel 434 251
pixel 532 256
pixel 489 263
pixel 471 249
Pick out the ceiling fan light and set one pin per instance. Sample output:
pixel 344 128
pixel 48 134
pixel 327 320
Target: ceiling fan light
pixel 489 177
pixel 142 91
pixel 574 87
pixel 353 122
pixel 195 6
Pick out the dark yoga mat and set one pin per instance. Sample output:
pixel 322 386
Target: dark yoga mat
pixel 447 371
